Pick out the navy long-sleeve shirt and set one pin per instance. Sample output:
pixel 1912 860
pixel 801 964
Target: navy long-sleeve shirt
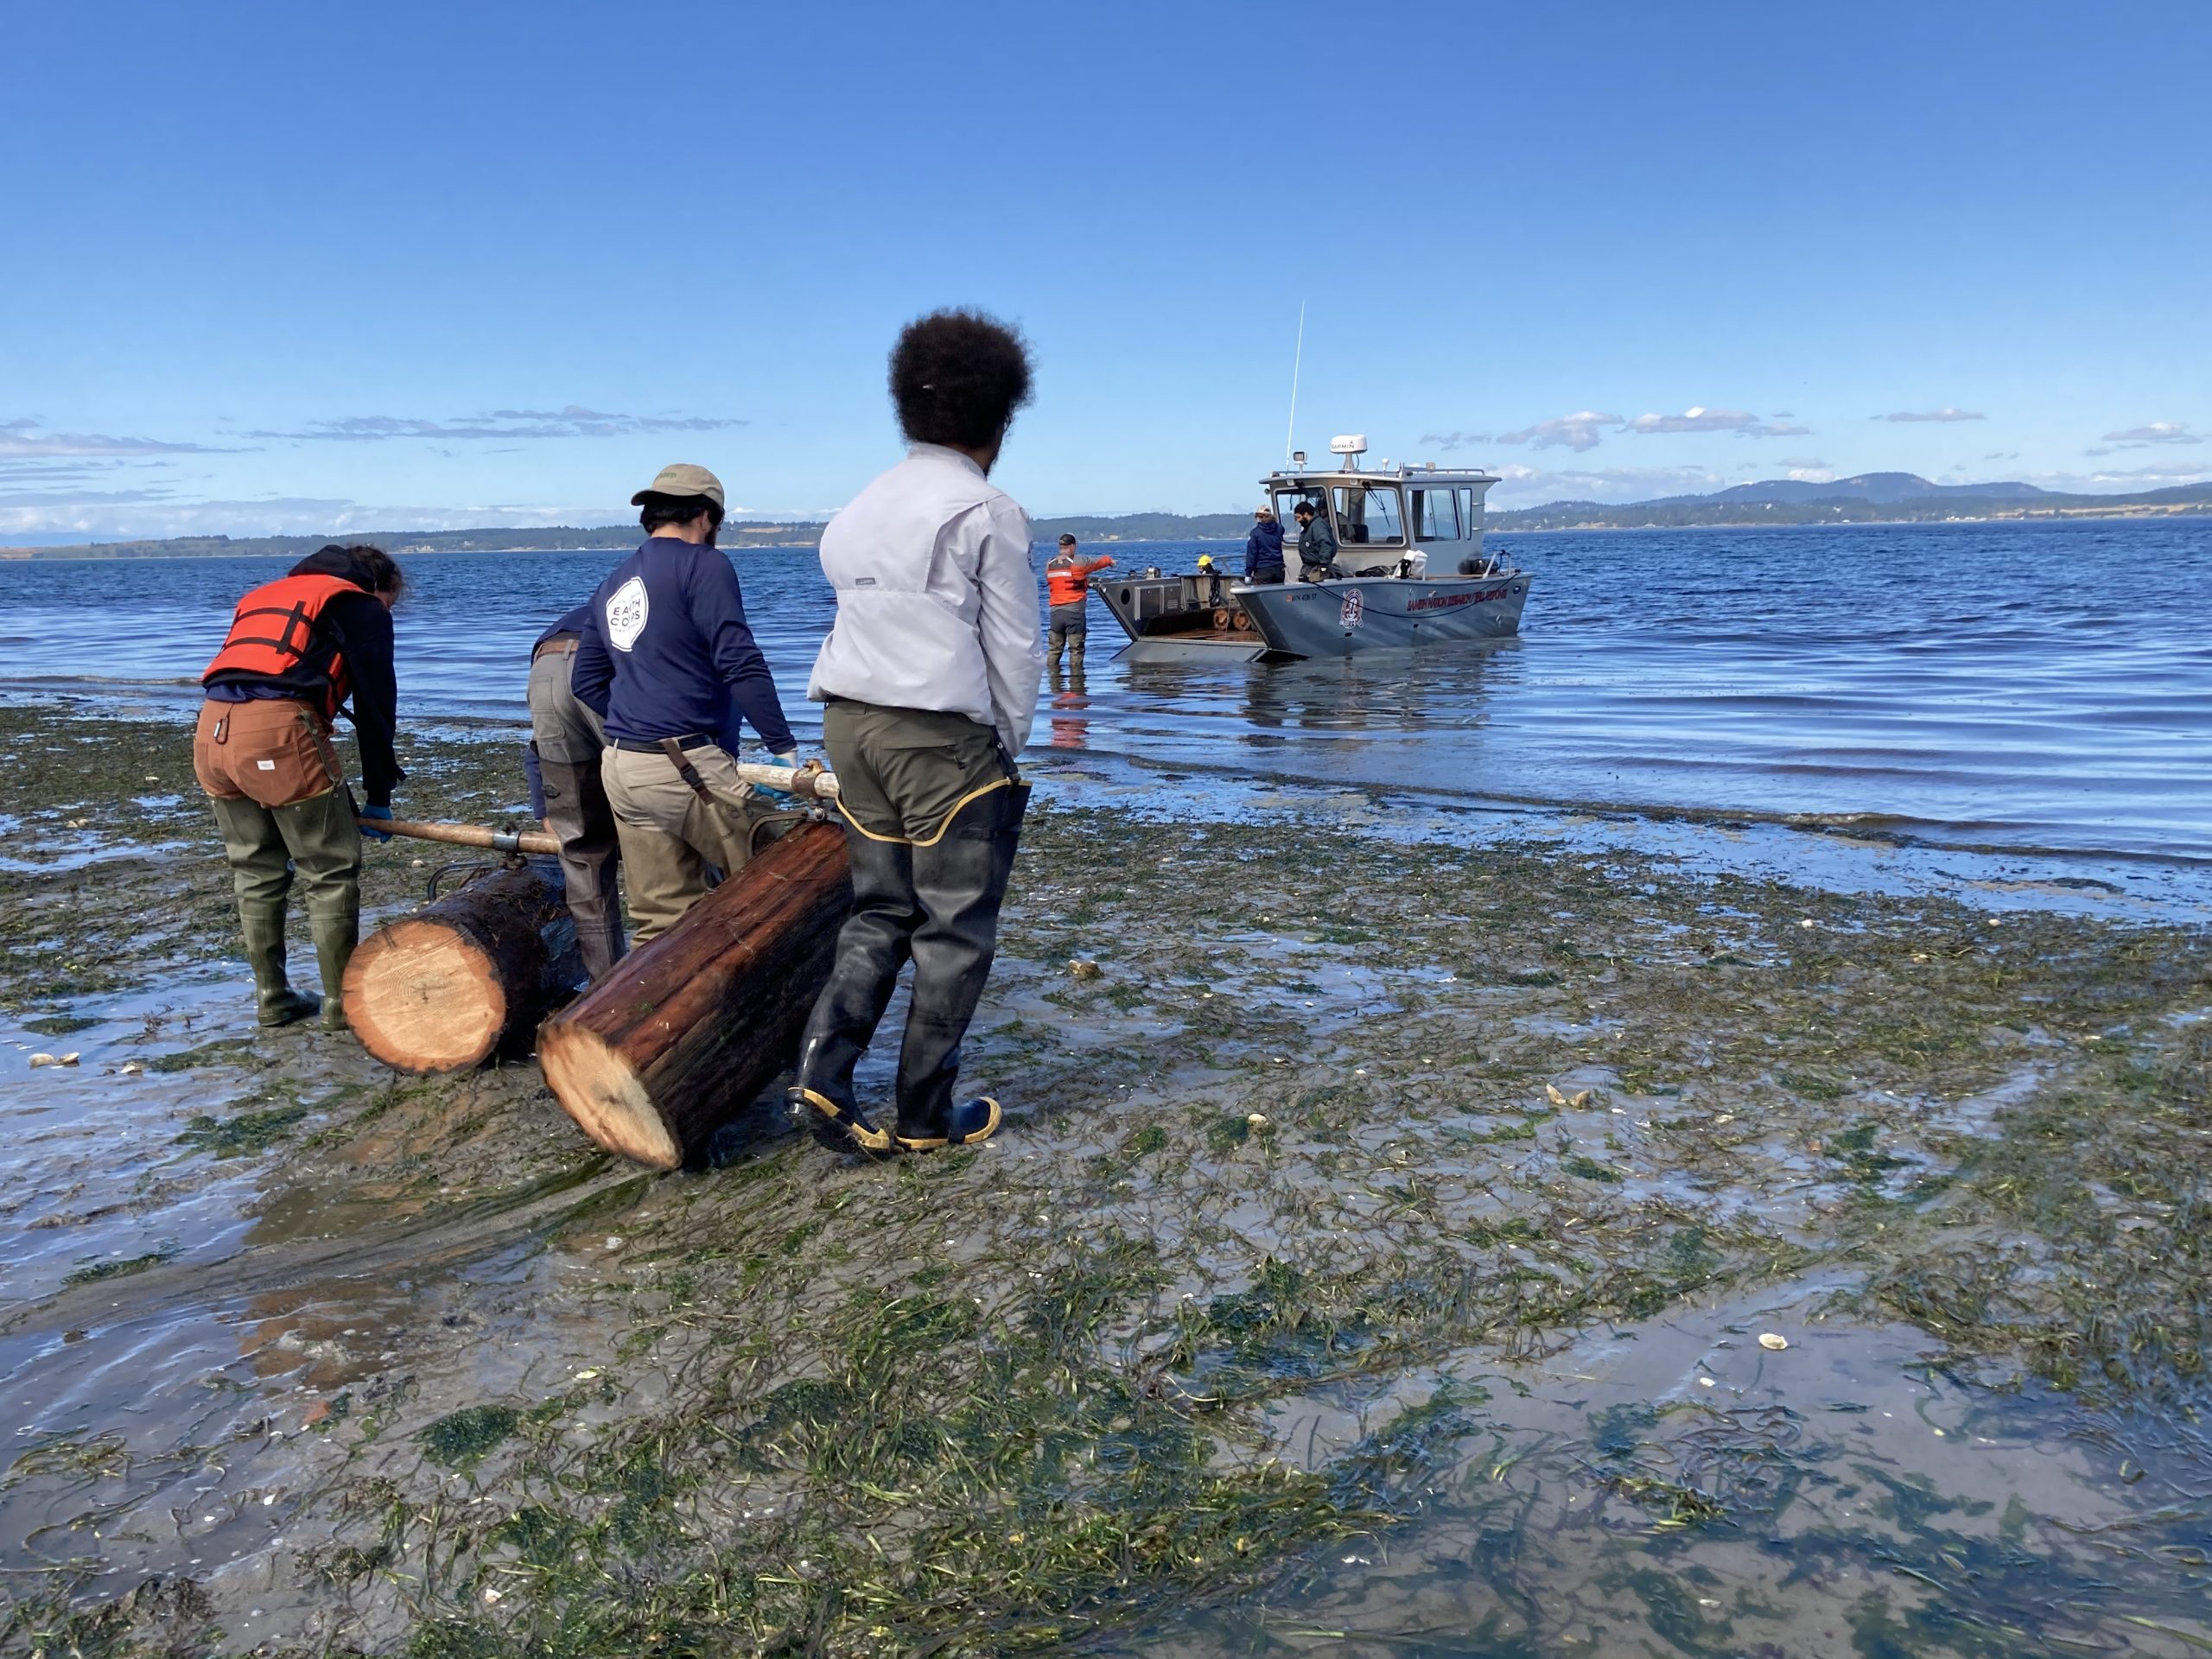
pixel 572 623
pixel 1263 547
pixel 665 651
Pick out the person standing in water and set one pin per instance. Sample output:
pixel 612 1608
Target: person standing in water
pixel 928 680
pixel 298 649
pixel 1067 584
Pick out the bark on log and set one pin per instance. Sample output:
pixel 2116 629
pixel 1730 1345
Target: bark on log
pixel 685 1032
pixel 442 989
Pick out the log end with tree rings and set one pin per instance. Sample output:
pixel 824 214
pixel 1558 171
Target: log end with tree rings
pixel 443 988
pixel 685 1034
pixel 602 1091
pixel 420 996
pixel 1221 618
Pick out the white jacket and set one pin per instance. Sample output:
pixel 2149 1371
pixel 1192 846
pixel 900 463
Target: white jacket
pixel 937 602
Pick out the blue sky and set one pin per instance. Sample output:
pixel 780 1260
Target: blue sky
pixel 305 268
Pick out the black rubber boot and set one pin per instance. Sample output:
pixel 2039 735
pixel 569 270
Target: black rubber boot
pixel 262 922
pixel 336 927
pixel 960 883
pixel 872 947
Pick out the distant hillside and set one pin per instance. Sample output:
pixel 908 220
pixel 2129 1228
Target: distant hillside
pixel 1148 527
pixel 1872 498
pixel 737 532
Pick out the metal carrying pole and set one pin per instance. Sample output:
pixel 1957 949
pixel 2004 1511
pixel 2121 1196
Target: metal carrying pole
pixel 807 782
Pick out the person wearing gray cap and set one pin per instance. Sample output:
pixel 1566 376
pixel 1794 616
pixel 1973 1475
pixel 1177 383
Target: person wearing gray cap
pixel 667 660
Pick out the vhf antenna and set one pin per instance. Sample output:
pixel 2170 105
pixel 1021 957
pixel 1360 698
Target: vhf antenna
pixel 1290 437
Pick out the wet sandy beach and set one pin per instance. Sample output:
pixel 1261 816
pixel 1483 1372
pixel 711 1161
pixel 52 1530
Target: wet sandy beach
pixel 1430 1230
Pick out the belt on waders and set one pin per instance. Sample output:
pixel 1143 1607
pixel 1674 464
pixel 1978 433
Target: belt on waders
pixel 565 644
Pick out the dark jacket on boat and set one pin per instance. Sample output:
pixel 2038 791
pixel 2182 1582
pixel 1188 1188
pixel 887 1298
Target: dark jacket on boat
pixel 1263 549
pixel 1317 543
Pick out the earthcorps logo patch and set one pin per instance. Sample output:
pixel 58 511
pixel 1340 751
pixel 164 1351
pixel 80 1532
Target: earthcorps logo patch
pixel 626 608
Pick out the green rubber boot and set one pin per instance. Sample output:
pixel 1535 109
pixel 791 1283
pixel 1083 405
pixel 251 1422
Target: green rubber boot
pixel 336 929
pixel 263 925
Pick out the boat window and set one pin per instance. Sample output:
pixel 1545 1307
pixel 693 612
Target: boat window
pixel 1437 513
pixel 1367 515
pixel 1286 503
pixel 1471 513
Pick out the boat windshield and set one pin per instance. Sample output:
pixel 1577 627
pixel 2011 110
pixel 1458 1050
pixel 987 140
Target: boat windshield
pixel 1286 503
pixel 1368 515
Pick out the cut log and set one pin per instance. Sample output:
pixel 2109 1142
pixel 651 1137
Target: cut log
pixel 442 989
pixel 686 1031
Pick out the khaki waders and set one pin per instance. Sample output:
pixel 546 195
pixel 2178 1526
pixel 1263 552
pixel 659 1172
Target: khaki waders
pixel 281 803
pixel 1068 627
pixel 676 830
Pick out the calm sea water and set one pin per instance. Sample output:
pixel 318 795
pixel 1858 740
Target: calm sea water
pixel 2010 685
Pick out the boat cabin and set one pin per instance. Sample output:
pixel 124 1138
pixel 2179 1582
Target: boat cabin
pixel 1429 516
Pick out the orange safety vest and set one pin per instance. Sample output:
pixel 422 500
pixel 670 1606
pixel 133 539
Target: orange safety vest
pixel 278 628
pixel 1066 582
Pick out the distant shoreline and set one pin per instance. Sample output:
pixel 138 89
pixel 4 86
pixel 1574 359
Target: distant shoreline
pixel 412 547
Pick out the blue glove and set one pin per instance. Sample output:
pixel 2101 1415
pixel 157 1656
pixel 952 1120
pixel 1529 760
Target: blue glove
pixel 383 812
pixel 780 796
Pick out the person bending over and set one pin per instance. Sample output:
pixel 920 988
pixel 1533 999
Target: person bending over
pixel 569 792
pixel 298 649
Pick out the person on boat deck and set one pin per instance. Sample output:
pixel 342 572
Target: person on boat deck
pixel 569 792
pixel 1263 547
pixel 1067 583
pixel 928 680
pixel 1317 543
pixel 298 648
pixel 1210 574
pixel 666 659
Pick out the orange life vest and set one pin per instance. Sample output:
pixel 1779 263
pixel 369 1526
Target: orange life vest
pixel 276 629
pixel 1067 583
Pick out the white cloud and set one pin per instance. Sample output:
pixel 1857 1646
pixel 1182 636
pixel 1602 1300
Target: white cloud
pixel 1528 487
pixel 2154 432
pixel 1698 418
pixel 129 514
pixel 1929 415
pixel 2123 481
pixel 572 422
pixel 1577 431
pixel 22 437
pixel 1449 441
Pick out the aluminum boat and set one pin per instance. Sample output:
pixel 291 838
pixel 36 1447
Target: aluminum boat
pixel 1410 570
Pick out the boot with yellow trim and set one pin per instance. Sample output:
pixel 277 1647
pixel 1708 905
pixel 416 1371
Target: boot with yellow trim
pixel 871 949
pixel 960 882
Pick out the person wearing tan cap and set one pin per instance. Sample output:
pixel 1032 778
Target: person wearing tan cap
pixel 667 660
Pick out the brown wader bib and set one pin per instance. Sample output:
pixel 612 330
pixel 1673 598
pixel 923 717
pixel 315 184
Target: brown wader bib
pixel 270 773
